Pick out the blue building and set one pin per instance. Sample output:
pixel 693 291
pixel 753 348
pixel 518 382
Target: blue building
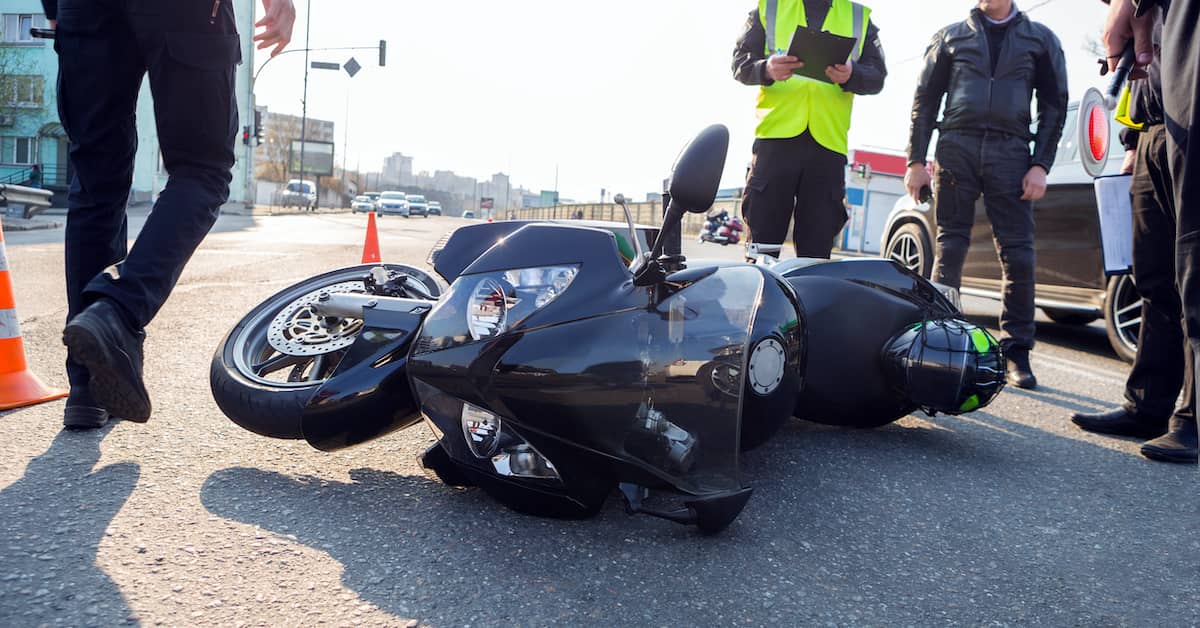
pixel 30 131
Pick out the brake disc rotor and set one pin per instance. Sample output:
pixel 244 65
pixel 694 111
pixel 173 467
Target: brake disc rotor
pixel 300 331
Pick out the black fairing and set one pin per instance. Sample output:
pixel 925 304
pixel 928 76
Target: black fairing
pixel 883 274
pixel 845 383
pixel 369 395
pixel 781 317
pixel 468 243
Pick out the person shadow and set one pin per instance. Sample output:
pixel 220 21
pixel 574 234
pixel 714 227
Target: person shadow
pixel 52 521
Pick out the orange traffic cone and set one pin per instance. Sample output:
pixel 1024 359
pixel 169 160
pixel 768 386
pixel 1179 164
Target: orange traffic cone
pixel 18 386
pixel 371 247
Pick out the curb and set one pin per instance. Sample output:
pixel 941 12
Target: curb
pixel 17 224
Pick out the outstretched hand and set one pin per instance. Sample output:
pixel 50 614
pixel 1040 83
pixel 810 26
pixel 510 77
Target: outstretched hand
pixel 277 24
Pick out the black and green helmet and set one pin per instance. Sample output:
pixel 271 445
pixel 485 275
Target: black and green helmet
pixel 948 365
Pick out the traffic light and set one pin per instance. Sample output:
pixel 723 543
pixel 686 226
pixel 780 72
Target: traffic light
pixel 246 135
pixel 258 128
pixel 382 52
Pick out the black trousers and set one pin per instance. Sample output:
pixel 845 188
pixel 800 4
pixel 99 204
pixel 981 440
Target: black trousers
pixel 1163 364
pixel 1181 58
pixel 969 165
pixel 189 49
pixel 795 178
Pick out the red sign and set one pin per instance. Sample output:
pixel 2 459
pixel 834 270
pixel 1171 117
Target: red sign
pixel 486 203
pixel 880 163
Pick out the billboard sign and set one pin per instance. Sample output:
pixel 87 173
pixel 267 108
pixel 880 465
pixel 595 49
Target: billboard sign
pixel 318 158
pixel 487 202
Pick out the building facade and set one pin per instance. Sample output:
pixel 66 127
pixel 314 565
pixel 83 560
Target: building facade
pixel 30 132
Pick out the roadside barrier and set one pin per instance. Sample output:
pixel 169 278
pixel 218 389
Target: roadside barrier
pixel 19 387
pixel 371 246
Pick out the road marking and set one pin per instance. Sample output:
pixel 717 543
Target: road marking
pixel 1076 368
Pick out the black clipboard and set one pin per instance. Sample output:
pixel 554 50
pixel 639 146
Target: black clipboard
pixel 819 50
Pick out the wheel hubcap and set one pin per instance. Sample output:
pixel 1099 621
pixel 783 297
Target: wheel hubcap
pixel 906 251
pixel 1127 313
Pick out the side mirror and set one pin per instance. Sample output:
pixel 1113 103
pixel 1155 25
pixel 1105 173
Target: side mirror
pixel 697 172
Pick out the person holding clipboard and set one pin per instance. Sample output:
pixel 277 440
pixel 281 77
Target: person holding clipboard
pixel 809 58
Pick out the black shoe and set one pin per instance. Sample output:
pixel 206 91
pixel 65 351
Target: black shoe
pixel 1178 445
pixel 1120 422
pixel 1020 374
pixel 99 339
pixel 82 412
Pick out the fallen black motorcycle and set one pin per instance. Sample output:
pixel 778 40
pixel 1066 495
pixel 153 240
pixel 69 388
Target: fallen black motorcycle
pixel 566 360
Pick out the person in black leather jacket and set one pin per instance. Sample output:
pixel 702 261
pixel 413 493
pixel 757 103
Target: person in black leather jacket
pixel 989 68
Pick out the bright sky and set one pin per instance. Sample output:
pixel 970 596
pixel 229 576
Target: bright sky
pixel 607 91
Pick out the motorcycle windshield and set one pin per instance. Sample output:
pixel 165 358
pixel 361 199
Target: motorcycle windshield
pixel 693 348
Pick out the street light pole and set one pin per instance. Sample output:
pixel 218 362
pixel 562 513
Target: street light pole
pixel 304 105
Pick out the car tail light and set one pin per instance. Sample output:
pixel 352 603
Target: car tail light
pixel 1097 121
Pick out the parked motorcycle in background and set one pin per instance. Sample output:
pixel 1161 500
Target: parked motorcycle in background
pixel 722 229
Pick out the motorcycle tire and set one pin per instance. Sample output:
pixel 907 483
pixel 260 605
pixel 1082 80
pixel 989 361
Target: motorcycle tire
pixel 275 409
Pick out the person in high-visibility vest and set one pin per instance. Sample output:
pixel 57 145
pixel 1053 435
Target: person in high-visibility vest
pixel 801 141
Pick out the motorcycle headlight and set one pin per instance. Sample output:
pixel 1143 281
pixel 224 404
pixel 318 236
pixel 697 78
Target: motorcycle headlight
pixel 479 307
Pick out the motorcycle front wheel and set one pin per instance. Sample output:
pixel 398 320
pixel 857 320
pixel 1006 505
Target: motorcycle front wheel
pixel 269 365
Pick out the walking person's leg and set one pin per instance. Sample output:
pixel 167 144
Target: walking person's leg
pixel 192 65
pixel 100 73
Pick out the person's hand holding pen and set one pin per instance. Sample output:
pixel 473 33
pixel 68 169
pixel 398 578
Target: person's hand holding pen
pixel 780 66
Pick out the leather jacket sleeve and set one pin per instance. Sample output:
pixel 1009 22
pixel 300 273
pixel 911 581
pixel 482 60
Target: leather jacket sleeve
pixel 870 70
pixel 1051 85
pixel 51 9
pixel 749 57
pixel 932 84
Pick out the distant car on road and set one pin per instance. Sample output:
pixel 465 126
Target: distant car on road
pixel 435 208
pixel 1072 288
pixel 417 206
pixel 363 204
pixel 301 194
pixel 393 203
pixel 374 196
pixel 468 214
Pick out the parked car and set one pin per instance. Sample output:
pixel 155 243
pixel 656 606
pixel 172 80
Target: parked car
pixel 417 206
pixel 393 203
pixel 362 203
pixel 1072 287
pixel 468 214
pixel 301 194
pixel 435 208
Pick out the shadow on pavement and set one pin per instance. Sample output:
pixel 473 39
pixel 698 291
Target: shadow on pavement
pixel 940 521
pixel 51 523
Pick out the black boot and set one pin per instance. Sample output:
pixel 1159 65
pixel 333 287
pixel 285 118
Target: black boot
pixel 1020 374
pixel 1178 445
pixel 100 339
pixel 1120 422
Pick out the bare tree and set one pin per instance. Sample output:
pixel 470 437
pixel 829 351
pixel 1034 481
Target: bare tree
pixel 271 157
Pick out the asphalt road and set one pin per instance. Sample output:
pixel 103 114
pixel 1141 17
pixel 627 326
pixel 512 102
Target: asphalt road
pixel 1007 516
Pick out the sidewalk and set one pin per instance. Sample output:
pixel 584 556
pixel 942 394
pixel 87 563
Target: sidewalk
pixel 42 221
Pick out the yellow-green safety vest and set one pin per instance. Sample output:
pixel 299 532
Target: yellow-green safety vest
pixel 788 108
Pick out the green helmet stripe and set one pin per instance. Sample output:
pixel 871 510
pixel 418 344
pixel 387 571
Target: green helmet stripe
pixel 982 340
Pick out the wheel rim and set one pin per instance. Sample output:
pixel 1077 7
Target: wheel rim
pixel 285 345
pixel 1127 313
pixel 907 251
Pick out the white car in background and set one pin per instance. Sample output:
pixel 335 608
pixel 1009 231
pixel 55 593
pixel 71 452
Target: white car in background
pixel 393 203
pixel 417 206
pixel 362 204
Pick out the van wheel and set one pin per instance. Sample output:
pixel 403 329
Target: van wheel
pixel 1123 316
pixel 910 246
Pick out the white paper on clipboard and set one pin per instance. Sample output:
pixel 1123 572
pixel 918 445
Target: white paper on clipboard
pixel 1116 222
